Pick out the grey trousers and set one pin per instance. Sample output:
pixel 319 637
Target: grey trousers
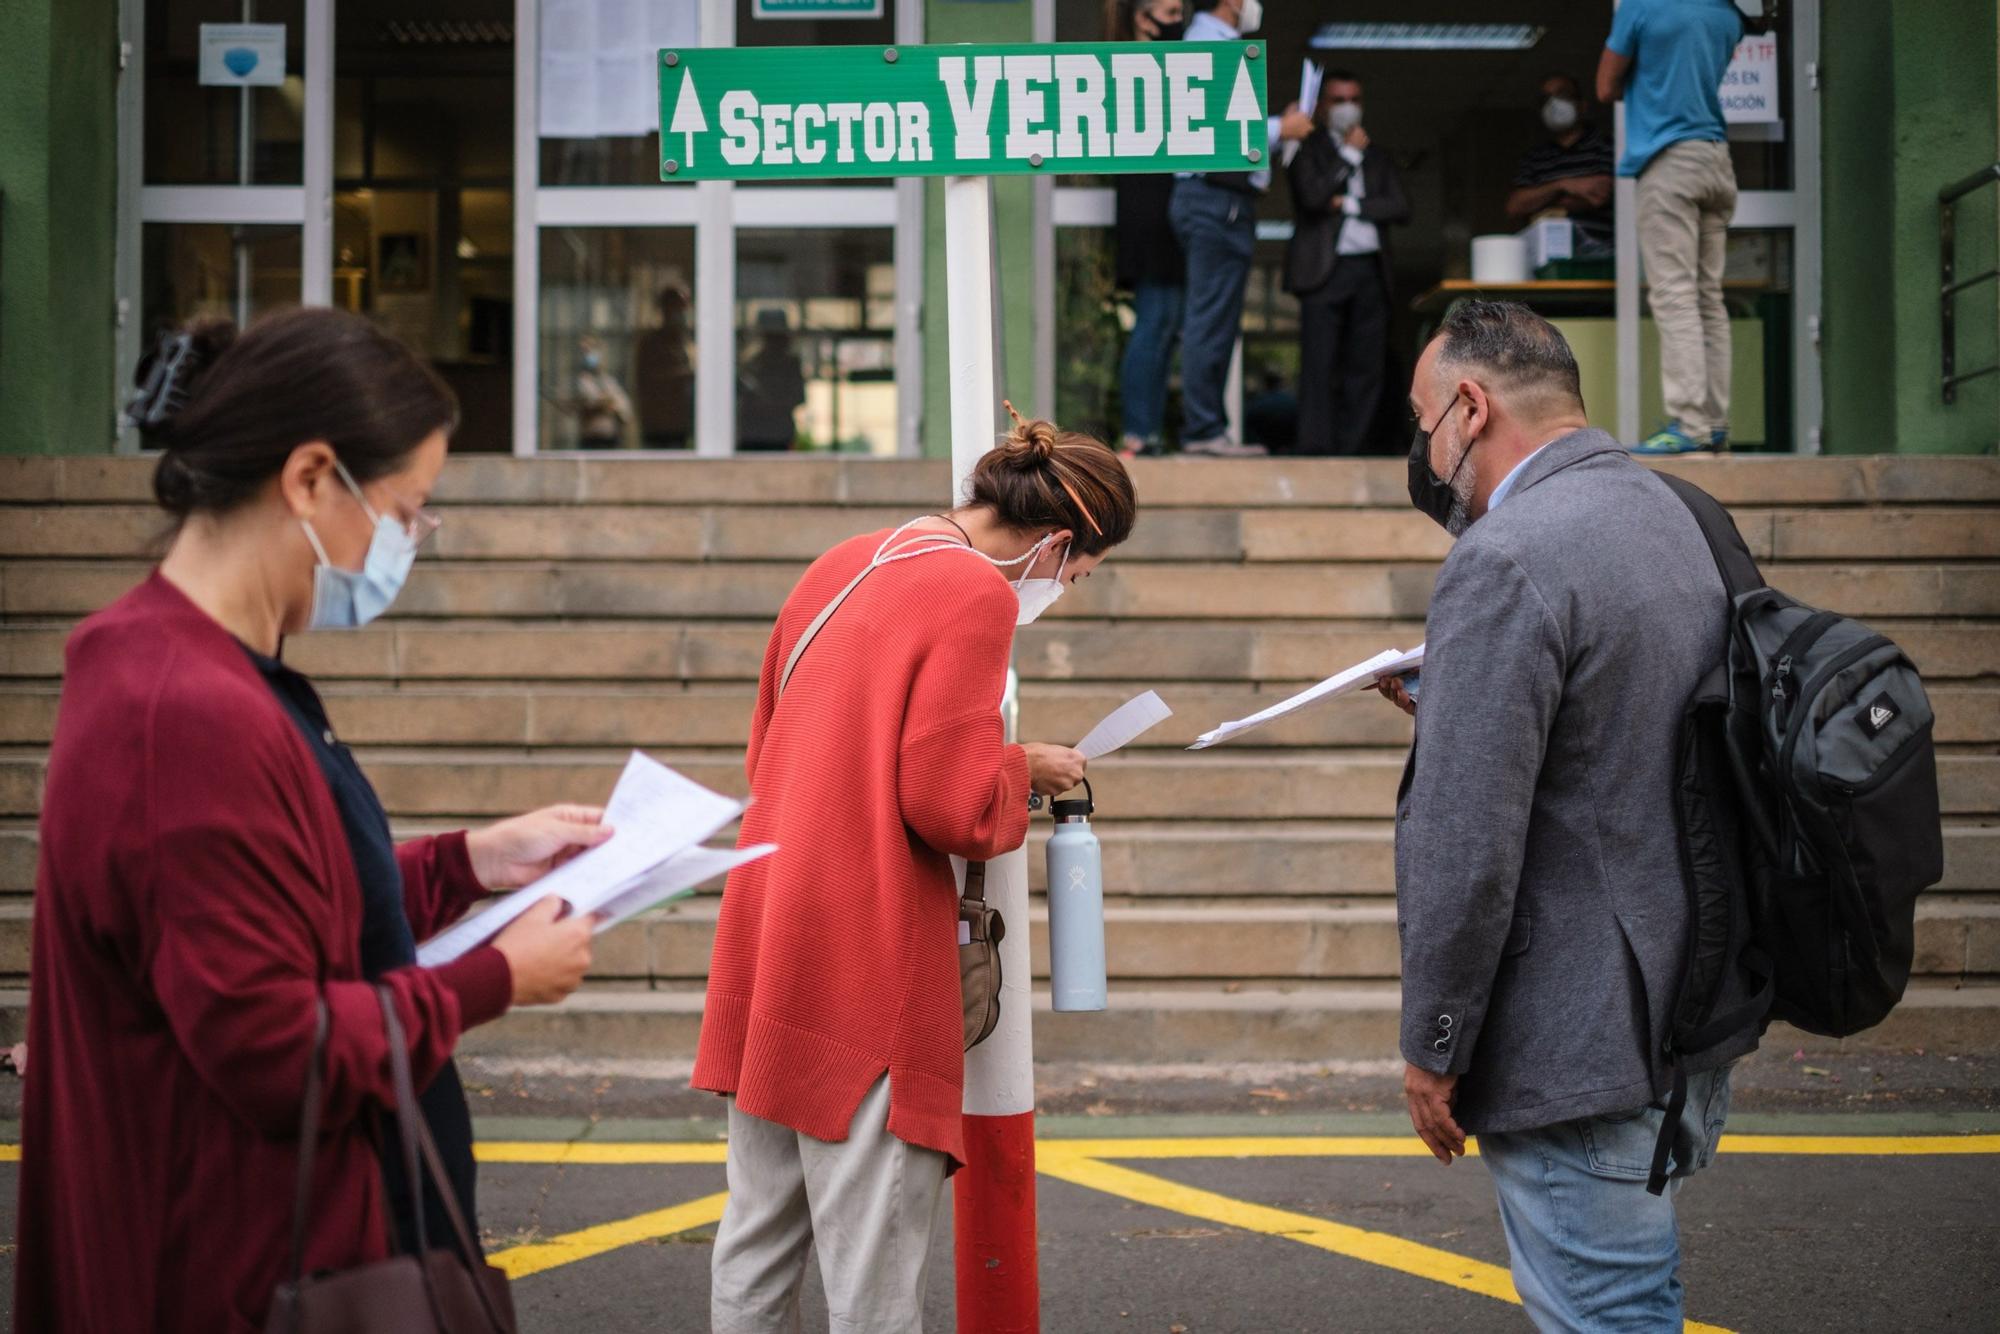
pixel 870 1202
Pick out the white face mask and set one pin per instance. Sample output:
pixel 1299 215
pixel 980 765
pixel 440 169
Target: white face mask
pixel 1252 17
pixel 1038 595
pixel 1342 117
pixel 1559 114
pixel 349 599
pixel 1035 595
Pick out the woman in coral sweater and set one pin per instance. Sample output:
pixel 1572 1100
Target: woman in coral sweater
pixel 833 1016
pixel 216 872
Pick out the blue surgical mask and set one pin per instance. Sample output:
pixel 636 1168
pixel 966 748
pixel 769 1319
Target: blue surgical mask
pixel 349 599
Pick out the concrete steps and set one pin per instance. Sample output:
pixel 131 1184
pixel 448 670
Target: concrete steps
pixel 1187 940
pixel 1230 785
pixel 1149 860
pixel 470 714
pixel 570 609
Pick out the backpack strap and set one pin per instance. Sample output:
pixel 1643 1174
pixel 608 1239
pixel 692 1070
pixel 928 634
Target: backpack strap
pixel 1732 555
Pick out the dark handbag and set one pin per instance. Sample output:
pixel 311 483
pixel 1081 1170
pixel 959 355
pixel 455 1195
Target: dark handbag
pixel 981 927
pixel 446 1291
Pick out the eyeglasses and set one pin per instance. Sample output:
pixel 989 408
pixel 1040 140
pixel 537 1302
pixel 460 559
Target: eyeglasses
pixel 417 528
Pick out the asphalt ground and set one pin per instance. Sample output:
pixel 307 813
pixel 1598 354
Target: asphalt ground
pixel 1258 1200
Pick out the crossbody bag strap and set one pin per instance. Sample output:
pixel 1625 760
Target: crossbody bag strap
pixel 825 615
pixel 975 881
pixel 308 1136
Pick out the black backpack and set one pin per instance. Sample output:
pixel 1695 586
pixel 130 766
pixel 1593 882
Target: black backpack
pixel 1808 809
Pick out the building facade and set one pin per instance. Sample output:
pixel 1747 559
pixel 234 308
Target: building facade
pixel 480 176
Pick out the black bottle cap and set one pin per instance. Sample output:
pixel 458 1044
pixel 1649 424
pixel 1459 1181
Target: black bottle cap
pixel 1073 808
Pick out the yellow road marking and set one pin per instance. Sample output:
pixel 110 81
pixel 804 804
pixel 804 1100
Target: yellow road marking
pixel 10 1153
pixel 541 1151
pixel 1888 1146
pixel 1376 1248
pixel 1245 1146
pixel 520 1261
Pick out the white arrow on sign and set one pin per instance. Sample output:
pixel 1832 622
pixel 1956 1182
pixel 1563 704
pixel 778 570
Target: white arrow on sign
pixel 1243 103
pixel 688 119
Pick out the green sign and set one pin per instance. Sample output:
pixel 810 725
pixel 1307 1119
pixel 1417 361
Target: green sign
pixel 817 9
pixel 792 113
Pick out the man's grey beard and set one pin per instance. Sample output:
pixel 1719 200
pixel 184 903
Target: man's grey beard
pixel 1464 477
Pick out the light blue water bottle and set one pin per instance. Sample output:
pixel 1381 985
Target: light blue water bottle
pixel 1076 909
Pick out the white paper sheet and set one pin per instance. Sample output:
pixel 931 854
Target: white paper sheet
pixel 1361 676
pixel 1124 725
pixel 1309 82
pixel 679 875
pixel 654 812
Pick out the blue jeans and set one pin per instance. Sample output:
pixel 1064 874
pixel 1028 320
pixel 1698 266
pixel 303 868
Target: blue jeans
pixel 1217 229
pixel 1592 1250
pixel 1149 351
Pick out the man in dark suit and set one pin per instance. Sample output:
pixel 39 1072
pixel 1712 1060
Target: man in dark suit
pixel 1346 193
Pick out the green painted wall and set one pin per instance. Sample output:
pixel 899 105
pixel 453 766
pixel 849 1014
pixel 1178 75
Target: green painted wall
pixel 1013 210
pixel 58 169
pixel 1909 105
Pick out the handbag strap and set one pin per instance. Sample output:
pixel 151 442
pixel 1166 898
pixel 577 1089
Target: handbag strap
pixel 308 1137
pixel 975 872
pixel 415 1138
pixel 825 615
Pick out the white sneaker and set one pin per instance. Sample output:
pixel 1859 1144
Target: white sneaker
pixel 1222 447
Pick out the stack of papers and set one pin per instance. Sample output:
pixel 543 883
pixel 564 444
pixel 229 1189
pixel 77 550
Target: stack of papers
pixel 1309 84
pixel 660 820
pixel 1361 676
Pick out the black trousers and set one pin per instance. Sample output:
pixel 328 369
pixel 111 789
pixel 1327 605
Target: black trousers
pixel 1343 333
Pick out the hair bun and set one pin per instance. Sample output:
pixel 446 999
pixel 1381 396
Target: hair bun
pixel 168 376
pixel 1032 442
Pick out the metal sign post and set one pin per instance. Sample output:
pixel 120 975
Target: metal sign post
pixel 969 113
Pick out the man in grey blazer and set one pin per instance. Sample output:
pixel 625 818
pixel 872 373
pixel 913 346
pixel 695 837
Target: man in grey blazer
pixel 1539 889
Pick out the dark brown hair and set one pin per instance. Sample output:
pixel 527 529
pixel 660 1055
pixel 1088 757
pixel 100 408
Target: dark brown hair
pixel 1043 478
pixel 229 410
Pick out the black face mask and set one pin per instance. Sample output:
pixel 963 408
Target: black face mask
pixel 1170 32
pixel 1430 493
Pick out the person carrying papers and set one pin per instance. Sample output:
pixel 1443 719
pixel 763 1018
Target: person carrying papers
pixel 219 898
pixel 834 1017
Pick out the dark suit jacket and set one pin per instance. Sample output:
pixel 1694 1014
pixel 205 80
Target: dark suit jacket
pixel 1319 175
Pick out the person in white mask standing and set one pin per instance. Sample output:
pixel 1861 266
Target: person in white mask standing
pixel 219 897
pixel 1346 194
pixel 833 1019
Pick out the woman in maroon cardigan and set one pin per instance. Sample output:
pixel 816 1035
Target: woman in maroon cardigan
pixel 209 856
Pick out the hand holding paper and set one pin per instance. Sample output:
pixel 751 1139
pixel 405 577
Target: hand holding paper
pixel 654 812
pixel 1361 676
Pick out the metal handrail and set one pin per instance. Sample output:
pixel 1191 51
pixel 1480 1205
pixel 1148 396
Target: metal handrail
pixel 1950 284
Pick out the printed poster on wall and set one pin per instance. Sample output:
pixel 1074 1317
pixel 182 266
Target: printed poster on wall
pixel 1750 84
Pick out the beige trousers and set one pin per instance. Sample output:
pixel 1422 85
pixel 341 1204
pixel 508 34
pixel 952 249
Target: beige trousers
pixel 870 1202
pixel 1686 197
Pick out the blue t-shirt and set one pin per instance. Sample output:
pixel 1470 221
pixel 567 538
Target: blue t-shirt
pixel 1679 50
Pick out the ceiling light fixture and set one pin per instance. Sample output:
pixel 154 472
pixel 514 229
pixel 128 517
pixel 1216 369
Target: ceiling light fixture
pixel 1426 36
